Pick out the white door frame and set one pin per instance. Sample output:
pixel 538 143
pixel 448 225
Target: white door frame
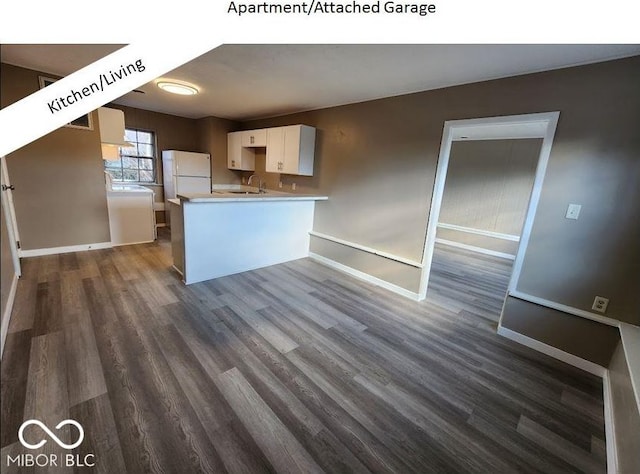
pixel 538 125
pixel 10 216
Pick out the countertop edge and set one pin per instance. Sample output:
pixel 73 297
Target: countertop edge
pixel 221 199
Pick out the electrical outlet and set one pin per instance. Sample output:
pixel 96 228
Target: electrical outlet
pixel 293 186
pixel 279 184
pixel 600 304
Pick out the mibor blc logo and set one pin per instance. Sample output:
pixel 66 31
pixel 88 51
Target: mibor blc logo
pixel 46 460
pixel 61 443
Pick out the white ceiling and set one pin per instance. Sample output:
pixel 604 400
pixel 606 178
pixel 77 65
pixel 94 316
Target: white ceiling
pixel 242 82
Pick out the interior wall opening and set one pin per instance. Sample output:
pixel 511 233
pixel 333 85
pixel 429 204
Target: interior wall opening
pixel 487 187
pixel 484 204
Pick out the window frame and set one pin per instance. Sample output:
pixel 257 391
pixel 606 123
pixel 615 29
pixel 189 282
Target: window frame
pixel 154 159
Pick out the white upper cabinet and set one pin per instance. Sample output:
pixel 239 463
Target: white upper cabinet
pixel 239 157
pixel 254 138
pixel 111 123
pixel 290 150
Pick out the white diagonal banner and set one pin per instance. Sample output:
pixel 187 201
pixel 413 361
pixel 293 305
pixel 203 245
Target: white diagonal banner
pixel 91 87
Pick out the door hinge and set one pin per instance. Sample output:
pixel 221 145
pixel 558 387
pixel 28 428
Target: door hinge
pixel 5 187
pixel 18 243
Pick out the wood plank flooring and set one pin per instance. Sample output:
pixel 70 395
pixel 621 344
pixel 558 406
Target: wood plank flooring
pixel 293 368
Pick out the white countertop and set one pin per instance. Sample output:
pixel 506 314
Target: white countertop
pixel 128 188
pixel 238 193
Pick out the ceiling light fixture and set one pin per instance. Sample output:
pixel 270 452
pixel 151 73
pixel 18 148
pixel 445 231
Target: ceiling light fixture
pixel 177 88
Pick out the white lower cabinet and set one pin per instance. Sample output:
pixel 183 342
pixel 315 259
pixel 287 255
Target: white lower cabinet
pixel 131 215
pixel 291 149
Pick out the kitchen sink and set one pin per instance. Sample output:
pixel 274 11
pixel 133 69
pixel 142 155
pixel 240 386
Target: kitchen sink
pixel 244 192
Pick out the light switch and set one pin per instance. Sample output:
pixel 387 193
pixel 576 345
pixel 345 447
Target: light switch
pixel 573 211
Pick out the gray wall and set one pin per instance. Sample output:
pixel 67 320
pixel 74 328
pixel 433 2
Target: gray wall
pixel 594 162
pixel 489 183
pixel 584 338
pixel 487 188
pixel 377 161
pixel 60 197
pixel 212 139
pixel 626 418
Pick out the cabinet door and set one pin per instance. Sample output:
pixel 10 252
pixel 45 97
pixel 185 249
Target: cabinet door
pixel 111 123
pixel 275 150
pixel 291 156
pixel 254 138
pixel 234 149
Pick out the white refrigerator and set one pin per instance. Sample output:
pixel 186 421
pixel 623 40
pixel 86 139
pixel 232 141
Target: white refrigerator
pixel 185 172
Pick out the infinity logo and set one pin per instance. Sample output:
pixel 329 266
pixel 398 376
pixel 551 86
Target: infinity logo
pixel 60 443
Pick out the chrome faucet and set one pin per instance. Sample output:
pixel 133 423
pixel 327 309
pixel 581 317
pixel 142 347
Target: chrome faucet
pixel 260 183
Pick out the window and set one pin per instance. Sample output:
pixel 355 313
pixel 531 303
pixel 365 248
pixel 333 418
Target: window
pixel 137 162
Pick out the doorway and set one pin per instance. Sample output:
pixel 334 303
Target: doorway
pixel 540 126
pixel 11 238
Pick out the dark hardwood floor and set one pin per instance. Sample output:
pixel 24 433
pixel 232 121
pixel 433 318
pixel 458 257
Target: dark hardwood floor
pixel 293 368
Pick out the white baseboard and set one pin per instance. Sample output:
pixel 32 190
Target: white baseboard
pixel 484 233
pixel 133 243
pixel 609 426
pixel 178 270
pixel 554 352
pixel 67 249
pixel 364 276
pixel 564 308
pixel 473 248
pixel 6 314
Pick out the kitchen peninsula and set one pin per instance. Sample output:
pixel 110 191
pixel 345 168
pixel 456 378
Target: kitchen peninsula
pixel 238 228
